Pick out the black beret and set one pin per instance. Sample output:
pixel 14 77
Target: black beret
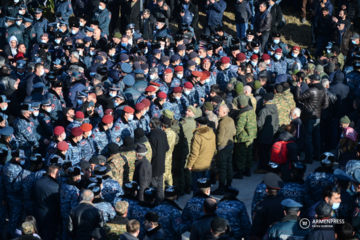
pixel 152 216
pixel 202 120
pixel 171 191
pixel 131 186
pixel 203 183
pixel 94 160
pixel 269 96
pixel 231 191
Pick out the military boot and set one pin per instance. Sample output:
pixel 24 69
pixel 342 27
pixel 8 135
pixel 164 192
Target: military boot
pixel 247 172
pixel 228 182
pixel 220 190
pixel 238 175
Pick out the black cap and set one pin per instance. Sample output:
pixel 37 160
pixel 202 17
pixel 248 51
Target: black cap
pixel 74 171
pixel 269 96
pixel 113 148
pixel 171 191
pixel 217 99
pixel 323 209
pixel 202 120
pixel 218 224
pixel 152 216
pixel 299 168
pixel 128 144
pixel 131 186
pixel 94 160
pixel 165 120
pixel 84 165
pixel 276 34
pixel 272 180
pixel 203 183
pixel 149 193
pixel 231 191
pixel 139 133
pixel 315 77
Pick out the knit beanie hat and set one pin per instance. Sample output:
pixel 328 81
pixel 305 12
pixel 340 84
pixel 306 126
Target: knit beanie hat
pixel 192 108
pixel 239 88
pixel 208 106
pixel 345 120
pixel 257 85
pixel 243 101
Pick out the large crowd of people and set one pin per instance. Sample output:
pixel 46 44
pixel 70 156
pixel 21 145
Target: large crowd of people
pixel 109 114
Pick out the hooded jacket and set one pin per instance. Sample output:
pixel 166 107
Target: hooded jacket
pixel 291 147
pixel 268 123
pixel 341 91
pixel 202 149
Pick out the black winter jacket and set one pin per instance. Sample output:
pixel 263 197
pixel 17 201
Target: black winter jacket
pixel 159 146
pixel 311 97
pixel 46 196
pixel 155 234
pixel 83 219
pixel 268 123
pixel 201 225
pixel 130 14
pixel 276 17
pixel 142 175
pixel 325 25
pixel 341 91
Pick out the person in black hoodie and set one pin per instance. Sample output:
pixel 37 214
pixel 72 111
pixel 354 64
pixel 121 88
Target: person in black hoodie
pixel 160 146
pixel 143 170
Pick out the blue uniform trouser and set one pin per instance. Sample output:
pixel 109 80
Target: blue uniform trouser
pixel 322 42
pixel 241 29
pixel 197 175
pixel 312 138
pixel 16 212
pixel 2 216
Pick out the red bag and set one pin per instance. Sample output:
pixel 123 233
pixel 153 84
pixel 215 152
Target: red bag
pixel 279 152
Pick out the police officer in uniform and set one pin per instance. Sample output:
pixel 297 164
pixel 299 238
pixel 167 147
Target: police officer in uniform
pixel 295 187
pixel 105 207
pixel 55 95
pixel 103 15
pixel 131 190
pixel 234 210
pixel 122 127
pixel 161 29
pixel 40 24
pixel 270 209
pixel 138 211
pixel 347 196
pixel 74 154
pixel 14 30
pixel 102 134
pixel 170 215
pixel 194 207
pixel 289 226
pixel 131 95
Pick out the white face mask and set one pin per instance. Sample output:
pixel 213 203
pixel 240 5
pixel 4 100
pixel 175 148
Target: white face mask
pixel 81 24
pixel 180 76
pixel 4 108
pixel 57 41
pixel 48 109
pixel 131 117
pixel 110 127
pixel 177 98
pixel 207 80
pixel 335 206
pixel 36 113
pixel 42 72
pixel 18 23
pixel 80 139
pixel 146 51
pixel 64 137
pixel 16 1
pixel 152 77
pixel 112 94
pixel 101 8
pixel 43 41
pixel 187 92
pixel 73 32
pixel 20 12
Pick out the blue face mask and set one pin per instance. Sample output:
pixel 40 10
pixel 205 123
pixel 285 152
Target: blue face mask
pixel 92 53
pixel 124 44
pixel 277 57
pixel 353 42
pixel 294 55
pixel 116 104
pixel 253 63
pixel 36 114
pixel 57 41
pixel 276 41
pixel 80 102
pixel 270 53
pixel 112 94
pixel 4 108
pixel 73 32
pixel 256 51
pixel 328 51
pixel 101 8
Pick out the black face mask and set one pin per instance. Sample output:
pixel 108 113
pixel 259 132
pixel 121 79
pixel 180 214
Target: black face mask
pixel 89 112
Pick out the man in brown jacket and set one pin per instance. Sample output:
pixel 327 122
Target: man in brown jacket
pixel 203 146
pixel 225 145
pixel 345 35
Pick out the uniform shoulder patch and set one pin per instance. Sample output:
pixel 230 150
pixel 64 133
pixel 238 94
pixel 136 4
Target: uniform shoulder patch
pixel 83 143
pixel 29 129
pixel 117 128
pixel 356 211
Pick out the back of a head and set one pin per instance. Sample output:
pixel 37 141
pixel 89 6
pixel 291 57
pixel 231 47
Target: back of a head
pixel 344 231
pixel 218 225
pixel 132 226
pixel 278 88
pixel 323 210
pixel 210 205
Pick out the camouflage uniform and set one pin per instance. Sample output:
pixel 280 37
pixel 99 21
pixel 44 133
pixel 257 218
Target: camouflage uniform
pixel 253 101
pixel 69 198
pixel 149 151
pixel 170 220
pixel 130 158
pixel 284 108
pixel 128 198
pixel 351 166
pixel 111 189
pixel 107 210
pixel 116 162
pixel 314 184
pixel 194 207
pixel 24 131
pixel 87 148
pixel 122 129
pixel 171 137
pixel 294 190
pixel 289 98
pixel 246 130
pixel 114 230
pixel 102 139
pixel 233 210
pixel 73 154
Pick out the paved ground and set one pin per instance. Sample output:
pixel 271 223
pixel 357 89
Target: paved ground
pixel 246 187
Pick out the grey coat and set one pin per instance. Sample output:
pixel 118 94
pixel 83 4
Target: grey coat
pixel 268 123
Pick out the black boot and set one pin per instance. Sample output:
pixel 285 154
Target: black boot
pixel 247 172
pixel 228 182
pixel 220 190
pixel 238 175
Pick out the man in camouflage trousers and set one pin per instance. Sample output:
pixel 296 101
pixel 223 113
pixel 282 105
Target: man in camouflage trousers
pixel 116 163
pixel 117 226
pixel 129 154
pixel 283 106
pixel 246 131
pixel 171 137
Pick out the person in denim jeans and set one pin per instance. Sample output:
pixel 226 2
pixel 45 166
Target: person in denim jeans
pixel 314 100
pixel 242 15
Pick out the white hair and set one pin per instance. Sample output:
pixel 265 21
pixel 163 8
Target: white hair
pixel 296 111
pixel 75 54
pixel 247 89
pixel 225 108
pixel 325 82
pixel 87 195
pixel 142 154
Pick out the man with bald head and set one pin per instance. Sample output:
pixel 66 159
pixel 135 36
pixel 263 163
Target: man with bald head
pixel 225 133
pixel 252 100
pixel 203 223
pixel 85 217
pixel 101 41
